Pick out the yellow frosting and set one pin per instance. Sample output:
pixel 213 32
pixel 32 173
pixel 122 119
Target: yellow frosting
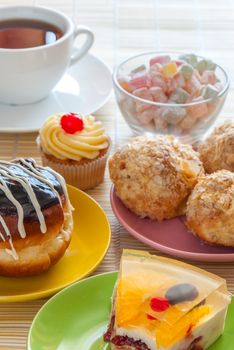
pixel 84 144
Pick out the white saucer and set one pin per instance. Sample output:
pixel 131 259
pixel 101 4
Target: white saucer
pixel 84 88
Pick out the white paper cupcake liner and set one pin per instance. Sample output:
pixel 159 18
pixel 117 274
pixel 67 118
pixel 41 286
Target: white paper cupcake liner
pixel 84 176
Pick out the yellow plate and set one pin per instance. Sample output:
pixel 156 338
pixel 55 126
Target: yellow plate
pixel 90 242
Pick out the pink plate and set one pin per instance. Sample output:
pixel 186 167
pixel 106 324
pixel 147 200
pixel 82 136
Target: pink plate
pixel 169 236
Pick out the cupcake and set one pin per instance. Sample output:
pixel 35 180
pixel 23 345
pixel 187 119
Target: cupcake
pixel 76 147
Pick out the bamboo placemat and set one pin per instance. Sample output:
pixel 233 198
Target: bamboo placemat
pixel 124 28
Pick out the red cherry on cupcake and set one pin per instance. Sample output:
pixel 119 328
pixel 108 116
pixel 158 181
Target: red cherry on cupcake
pixel 71 123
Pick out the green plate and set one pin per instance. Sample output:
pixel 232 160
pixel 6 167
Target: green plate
pixel 76 318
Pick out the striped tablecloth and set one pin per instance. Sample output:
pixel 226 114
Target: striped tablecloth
pixel 124 28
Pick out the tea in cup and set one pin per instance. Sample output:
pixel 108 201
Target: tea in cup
pixel 36 48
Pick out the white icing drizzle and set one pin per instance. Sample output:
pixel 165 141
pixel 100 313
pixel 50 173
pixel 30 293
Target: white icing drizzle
pixel 70 207
pixel 4 226
pixel 5 171
pixel 56 175
pixel 11 251
pixel 2 237
pixel 62 183
pixel 39 176
pixel 18 206
pixel 28 188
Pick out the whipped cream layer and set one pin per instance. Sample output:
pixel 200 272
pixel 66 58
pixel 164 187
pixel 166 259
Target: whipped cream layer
pixel 87 143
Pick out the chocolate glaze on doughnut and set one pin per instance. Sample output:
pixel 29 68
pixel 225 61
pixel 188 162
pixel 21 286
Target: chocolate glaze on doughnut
pixel 45 196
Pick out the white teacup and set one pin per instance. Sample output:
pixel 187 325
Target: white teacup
pixel 28 75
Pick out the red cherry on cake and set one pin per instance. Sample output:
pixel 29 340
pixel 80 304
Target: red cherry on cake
pixel 71 123
pixel 159 304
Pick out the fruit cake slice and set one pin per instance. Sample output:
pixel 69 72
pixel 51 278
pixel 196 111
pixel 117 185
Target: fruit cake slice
pixel 161 303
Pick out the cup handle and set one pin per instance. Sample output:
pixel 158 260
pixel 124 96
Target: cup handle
pixel 86 46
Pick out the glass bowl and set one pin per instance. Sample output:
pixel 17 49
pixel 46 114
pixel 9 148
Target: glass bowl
pixel 181 119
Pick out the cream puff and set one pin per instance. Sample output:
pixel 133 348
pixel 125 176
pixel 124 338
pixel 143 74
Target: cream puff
pixel 210 209
pixel 217 151
pixel 153 176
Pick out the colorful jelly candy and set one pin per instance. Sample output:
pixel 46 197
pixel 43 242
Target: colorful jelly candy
pixel 179 95
pixel 160 123
pixel 158 94
pixel 197 75
pixel 210 65
pixel 200 110
pixel 156 68
pixel 145 94
pixel 125 85
pixel 201 66
pixel 139 69
pixel 146 116
pixel 187 70
pixel 158 80
pixel 177 81
pixel 163 80
pixel 173 115
pixel 204 64
pixel 219 86
pixel 209 91
pixel 169 70
pixel 190 59
pixel 193 86
pixel 187 123
pixel 208 77
pixel 179 62
pixel 160 59
pixel 141 80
